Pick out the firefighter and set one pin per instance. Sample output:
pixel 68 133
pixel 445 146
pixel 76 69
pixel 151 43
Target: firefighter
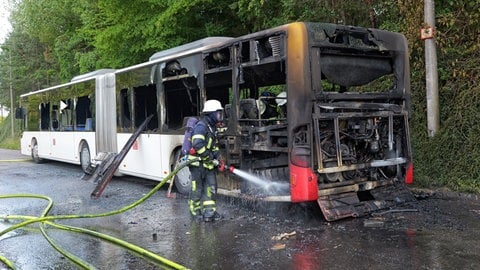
pixel 267 106
pixel 204 146
pixel 281 101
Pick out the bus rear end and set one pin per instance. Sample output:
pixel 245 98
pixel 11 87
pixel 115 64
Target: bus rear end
pixel 353 154
pixel 339 133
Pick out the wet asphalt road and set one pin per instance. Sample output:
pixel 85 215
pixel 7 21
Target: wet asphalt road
pixel 439 231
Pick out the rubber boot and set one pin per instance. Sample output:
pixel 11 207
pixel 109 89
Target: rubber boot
pixel 210 215
pixel 198 217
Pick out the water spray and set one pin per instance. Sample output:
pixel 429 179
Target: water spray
pixel 265 184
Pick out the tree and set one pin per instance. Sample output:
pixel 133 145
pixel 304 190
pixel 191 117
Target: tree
pixel 54 40
pixel 133 30
pixel 261 14
pixel 53 23
pixel 22 56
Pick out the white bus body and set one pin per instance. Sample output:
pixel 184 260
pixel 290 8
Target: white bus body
pixel 60 146
pixel 54 130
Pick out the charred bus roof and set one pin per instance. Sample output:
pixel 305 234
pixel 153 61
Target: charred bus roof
pixel 191 47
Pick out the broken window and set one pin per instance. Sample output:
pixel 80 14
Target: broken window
pixel 125 115
pixel 145 105
pixel 44 116
pixel 341 73
pixel 83 114
pixel 55 123
pixel 181 100
pixel 66 112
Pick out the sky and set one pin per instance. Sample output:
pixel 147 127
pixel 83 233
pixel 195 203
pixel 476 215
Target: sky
pixel 5 26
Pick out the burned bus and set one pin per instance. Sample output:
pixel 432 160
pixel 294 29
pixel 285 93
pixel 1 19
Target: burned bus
pixel 340 133
pixel 320 109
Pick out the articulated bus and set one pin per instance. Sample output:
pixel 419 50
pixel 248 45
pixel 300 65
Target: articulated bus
pixel 338 135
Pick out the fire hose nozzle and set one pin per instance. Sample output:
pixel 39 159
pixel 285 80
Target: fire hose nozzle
pixel 222 167
pixel 229 168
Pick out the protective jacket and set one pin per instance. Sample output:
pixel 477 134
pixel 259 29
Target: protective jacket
pixel 204 142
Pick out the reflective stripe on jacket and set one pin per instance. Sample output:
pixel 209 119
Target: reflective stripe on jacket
pixel 205 144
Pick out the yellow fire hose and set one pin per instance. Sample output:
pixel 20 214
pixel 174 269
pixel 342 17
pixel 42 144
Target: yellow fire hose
pixel 44 219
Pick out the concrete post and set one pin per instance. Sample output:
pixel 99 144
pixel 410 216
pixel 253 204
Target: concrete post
pixel 433 121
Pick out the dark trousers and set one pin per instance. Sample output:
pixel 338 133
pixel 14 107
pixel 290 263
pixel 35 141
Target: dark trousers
pixel 204 189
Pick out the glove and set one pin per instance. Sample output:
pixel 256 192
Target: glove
pixel 184 158
pixel 192 151
pixel 219 164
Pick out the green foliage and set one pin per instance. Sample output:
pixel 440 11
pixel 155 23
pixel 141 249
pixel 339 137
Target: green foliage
pixel 47 19
pixel 124 33
pixel 24 58
pixel 53 23
pixel 6 139
pixel 451 158
pixel 262 14
pixel 10 143
pixel 54 40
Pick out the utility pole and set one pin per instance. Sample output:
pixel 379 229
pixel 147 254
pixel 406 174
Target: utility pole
pixel 427 34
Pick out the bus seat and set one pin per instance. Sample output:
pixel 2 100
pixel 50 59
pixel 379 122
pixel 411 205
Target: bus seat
pixel 228 108
pixel 55 125
pixel 89 124
pixel 54 117
pixel 248 109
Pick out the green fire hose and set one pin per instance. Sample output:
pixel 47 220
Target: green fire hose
pixel 45 219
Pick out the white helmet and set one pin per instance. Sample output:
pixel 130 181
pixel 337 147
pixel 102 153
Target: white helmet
pixel 281 98
pixel 212 105
pixel 261 106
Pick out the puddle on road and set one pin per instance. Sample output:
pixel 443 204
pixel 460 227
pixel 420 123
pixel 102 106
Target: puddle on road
pixel 243 239
pixel 247 243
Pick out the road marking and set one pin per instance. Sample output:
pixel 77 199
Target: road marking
pixel 14 160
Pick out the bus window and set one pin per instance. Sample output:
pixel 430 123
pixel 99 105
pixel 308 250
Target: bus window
pixel 66 114
pixel 55 123
pixel 218 59
pixel 83 113
pixel 44 116
pixel 173 68
pixel 181 100
pixel 364 74
pixel 220 93
pixel 125 115
pixel 145 105
pixel 344 73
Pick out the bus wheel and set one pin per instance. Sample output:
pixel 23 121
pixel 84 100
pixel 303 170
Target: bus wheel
pixel 85 157
pixel 36 158
pixel 183 181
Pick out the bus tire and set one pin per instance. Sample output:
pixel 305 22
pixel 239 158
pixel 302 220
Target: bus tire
pixel 183 179
pixel 35 157
pixel 85 158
